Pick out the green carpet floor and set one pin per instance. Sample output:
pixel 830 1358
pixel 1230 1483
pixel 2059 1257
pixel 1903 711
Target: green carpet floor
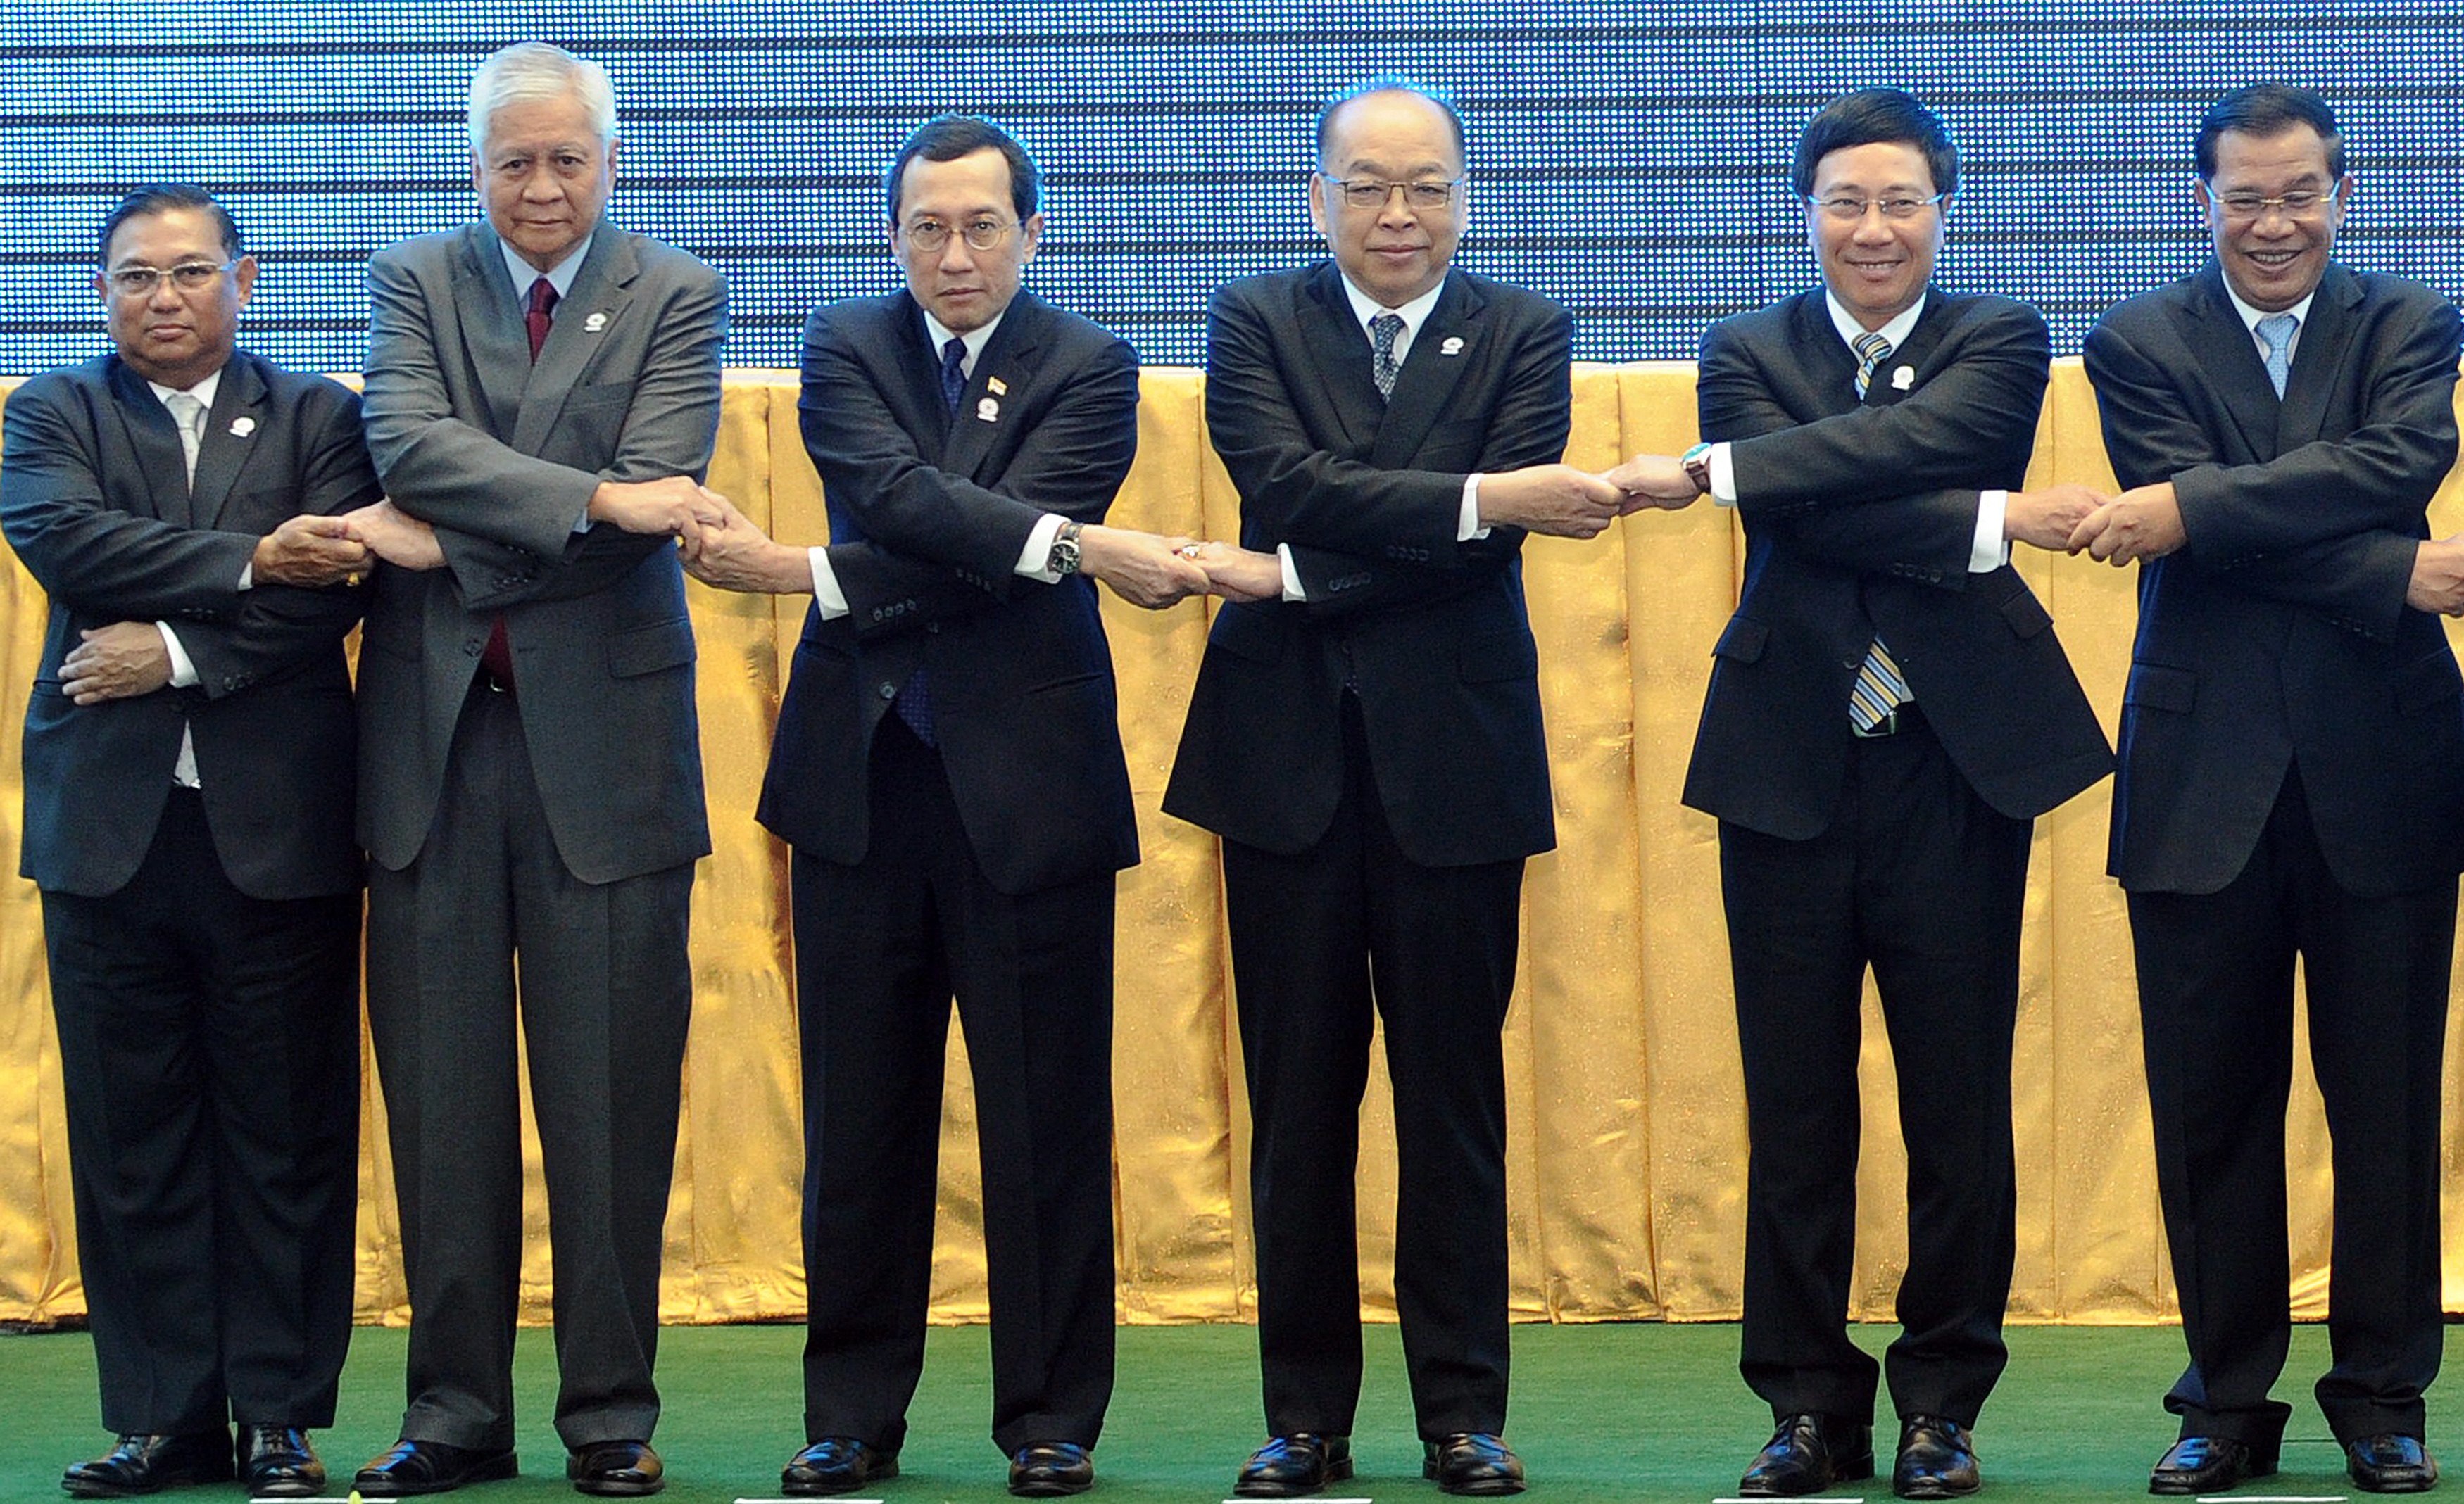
pixel 1601 1413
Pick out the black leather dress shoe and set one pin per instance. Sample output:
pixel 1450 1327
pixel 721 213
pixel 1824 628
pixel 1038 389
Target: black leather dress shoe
pixel 431 1466
pixel 1474 1463
pixel 1937 1459
pixel 1046 1469
pixel 142 1464
pixel 836 1465
pixel 277 1462
pixel 1807 1453
pixel 2207 1464
pixel 1291 1466
pixel 622 1470
pixel 2390 1464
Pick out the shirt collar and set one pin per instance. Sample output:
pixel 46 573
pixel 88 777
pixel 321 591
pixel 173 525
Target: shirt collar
pixel 2250 316
pixel 1413 314
pixel 558 276
pixel 1897 331
pixel 975 338
pixel 204 391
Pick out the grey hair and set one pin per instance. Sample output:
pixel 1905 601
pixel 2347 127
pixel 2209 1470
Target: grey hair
pixel 529 71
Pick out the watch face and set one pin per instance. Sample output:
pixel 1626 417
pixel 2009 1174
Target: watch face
pixel 1064 556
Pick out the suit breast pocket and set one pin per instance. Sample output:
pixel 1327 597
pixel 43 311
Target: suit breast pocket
pixel 1743 641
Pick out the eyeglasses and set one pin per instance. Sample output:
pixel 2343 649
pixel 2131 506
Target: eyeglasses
pixel 1375 192
pixel 2299 204
pixel 1848 210
pixel 929 235
pixel 188 276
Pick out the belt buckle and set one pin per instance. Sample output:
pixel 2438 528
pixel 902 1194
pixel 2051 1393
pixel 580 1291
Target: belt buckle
pixel 1888 726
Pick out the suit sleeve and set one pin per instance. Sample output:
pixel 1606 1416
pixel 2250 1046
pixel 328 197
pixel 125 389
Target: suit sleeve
pixel 448 472
pixel 1072 461
pixel 2377 478
pixel 279 626
pixel 1399 549
pixel 98 559
pixel 1912 466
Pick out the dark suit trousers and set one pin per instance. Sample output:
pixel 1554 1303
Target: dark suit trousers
pixel 606 990
pixel 1919 879
pixel 1309 932
pixel 209 1048
pixel 881 947
pixel 2215 994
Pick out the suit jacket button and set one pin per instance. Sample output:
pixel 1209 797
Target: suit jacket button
pixel 932 626
pixel 888 691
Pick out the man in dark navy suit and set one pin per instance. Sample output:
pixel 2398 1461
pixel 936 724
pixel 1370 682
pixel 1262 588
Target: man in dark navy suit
pixel 948 767
pixel 1364 736
pixel 1888 712
pixel 188 798
pixel 2291 780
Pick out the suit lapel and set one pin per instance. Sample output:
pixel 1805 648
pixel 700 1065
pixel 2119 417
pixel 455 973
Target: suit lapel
pixel 1338 353
pixel 228 439
pixel 1816 351
pixel 2317 361
pixel 1910 354
pixel 586 320
pixel 2212 329
pixel 1427 379
pixel 150 434
pixel 981 415
pixel 490 314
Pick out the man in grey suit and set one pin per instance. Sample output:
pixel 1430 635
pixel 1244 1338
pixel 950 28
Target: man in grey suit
pixel 542 395
pixel 187 782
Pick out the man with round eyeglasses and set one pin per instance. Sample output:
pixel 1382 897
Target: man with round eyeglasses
pixel 189 804
pixel 947 766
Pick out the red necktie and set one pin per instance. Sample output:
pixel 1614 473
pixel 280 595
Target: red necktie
pixel 497 657
pixel 540 313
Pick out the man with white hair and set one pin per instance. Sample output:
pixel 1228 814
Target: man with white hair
pixel 542 395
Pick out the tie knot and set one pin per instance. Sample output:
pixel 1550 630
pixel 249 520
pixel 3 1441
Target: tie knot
pixel 1870 347
pixel 953 355
pixel 186 410
pixel 543 296
pixel 2277 328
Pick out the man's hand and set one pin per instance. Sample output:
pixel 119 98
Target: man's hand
pixel 2437 577
pixel 1648 480
pixel 2048 518
pixel 2142 523
pixel 1551 498
pixel 675 506
pixel 119 661
pixel 1143 568
pixel 733 554
pixel 312 550
pixel 395 537
pixel 1238 574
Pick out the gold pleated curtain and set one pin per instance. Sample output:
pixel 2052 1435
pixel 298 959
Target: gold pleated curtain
pixel 1626 1143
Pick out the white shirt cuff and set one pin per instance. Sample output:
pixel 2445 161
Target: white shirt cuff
pixel 826 594
pixel 1724 476
pixel 1468 525
pixel 184 672
pixel 1292 590
pixel 1033 559
pixel 1990 550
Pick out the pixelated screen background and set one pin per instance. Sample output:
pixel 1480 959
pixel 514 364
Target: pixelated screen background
pixel 1627 159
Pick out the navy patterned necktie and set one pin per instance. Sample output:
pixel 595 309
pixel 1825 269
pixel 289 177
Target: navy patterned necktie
pixel 954 372
pixel 1383 331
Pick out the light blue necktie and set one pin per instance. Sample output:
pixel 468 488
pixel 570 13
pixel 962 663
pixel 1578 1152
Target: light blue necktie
pixel 2277 330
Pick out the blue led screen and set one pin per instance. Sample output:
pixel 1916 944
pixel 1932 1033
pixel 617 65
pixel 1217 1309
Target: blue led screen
pixel 1628 159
